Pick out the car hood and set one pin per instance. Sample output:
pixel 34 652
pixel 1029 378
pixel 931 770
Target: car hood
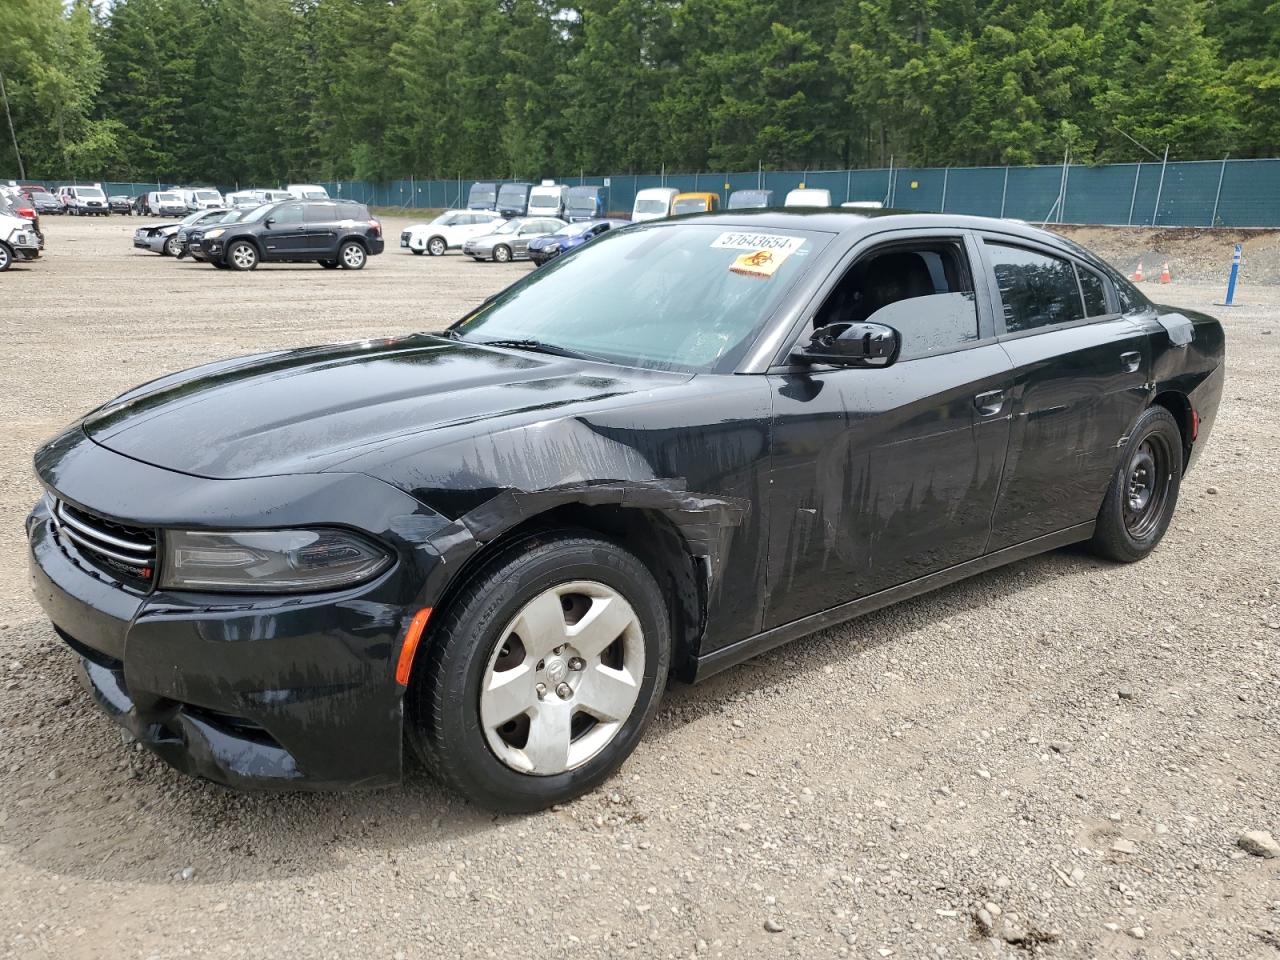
pixel 153 227
pixel 304 411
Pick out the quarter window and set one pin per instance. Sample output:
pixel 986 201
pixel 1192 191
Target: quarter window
pixel 1036 290
pixel 923 290
pixel 1095 292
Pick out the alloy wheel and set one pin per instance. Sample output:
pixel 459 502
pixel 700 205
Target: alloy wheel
pixel 6 259
pixel 562 679
pixel 353 256
pixel 244 257
pixel 501 253
pixel 437 247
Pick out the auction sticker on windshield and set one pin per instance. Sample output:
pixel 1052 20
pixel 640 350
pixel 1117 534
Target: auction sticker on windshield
pixel 736 240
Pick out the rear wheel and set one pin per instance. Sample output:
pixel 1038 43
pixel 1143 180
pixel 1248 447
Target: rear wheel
pixel 1140 502
pixel 352 256
pixel 6 257
pixel 501 253
pixel 543 673
pixel 242 255
pixel 437 246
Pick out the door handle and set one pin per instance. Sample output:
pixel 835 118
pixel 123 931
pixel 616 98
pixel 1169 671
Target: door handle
pixel 989 403
pixel 1131 361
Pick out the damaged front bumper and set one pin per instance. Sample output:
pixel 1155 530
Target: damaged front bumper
pixel 283 692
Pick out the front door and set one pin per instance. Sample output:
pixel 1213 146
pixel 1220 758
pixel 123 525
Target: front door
pixel 882 476
pixel 1081 377
pixel 284 232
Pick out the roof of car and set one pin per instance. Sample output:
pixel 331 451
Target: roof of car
pixel 838 220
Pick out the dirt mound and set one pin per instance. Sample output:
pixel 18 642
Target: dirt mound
pixel 1194 254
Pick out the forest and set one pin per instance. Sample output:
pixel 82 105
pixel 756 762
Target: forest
pixel 263 90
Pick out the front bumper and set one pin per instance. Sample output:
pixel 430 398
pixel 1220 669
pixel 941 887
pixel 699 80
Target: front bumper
pixel 153 243
pixel 285 692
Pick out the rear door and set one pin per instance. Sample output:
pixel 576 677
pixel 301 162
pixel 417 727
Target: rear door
pixel 1081 377
pixel 323 226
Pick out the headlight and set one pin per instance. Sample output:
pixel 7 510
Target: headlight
pixel 214 233
pixel 268 561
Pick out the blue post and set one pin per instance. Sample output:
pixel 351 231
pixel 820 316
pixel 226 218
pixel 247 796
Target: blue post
pixel 1231 280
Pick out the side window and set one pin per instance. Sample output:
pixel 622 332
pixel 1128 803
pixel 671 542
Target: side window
pixel 924 290
pixel 288 213
pixel 323 212
pixel 1094 289
pixel 1036 290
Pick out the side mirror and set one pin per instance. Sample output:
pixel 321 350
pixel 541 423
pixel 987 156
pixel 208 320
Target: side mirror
pixel 269 222
pixel 851 345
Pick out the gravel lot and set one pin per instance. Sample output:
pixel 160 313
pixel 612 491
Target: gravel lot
pixel 1077 743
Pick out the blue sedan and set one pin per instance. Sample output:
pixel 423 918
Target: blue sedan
pixel 543 249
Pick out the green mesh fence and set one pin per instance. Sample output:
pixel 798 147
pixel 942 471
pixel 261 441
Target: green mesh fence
pixel 1230 193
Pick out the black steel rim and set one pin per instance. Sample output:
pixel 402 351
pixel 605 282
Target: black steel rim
pixel 1148 478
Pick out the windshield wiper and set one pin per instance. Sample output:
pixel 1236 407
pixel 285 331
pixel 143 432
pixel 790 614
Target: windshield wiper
pixel 537 346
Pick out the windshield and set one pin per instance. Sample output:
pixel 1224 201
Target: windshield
pixel 194 217
pixel 541 200
pixel 688 297
pixel 91 193
pixel 652 206
pixel 573 229
pixel 512 194
pixel 257 213
pixel 166 197
pixel 747 199
pixel 207 194
pixel 314 195
pixel 511 226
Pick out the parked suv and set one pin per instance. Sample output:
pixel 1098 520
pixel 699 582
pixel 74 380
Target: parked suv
pixel 449 231
pixel 332 233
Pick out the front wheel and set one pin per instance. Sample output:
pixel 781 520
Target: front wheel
pixel 501 253
pixel 437 246
pixel 242 255
pixel 1140 502
pixel 172 248
pixel 560 648
pixel 352 256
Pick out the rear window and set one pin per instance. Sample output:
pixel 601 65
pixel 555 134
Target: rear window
pixel 1036 290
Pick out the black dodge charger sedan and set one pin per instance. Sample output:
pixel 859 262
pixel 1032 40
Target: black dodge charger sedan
pixel 684 445
pixel 332 233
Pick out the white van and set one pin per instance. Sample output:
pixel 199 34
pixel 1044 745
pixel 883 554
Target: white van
pixel 653 203
pixel 547 199
pixel 306 191
pixel 808 198
pixel 166 203
pixel 84 201
pixel 200 198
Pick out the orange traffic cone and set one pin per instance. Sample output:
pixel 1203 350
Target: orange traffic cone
pixel 1137 274
pixel 1164 273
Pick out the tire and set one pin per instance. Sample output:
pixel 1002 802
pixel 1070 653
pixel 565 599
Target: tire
pixel 502 253
pixel 352 256
pixel 6 257
pixel 171 247
pixel 436 246
pixel 242 255
pixel 465 652
pixel 329 264
pixel 1143 493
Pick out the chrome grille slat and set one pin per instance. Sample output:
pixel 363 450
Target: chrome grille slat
pixel 146 549
pixel 126 552
pixel 83 541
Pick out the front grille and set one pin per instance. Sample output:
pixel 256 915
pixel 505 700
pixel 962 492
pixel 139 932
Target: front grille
pixel 127 552
pixel 405 236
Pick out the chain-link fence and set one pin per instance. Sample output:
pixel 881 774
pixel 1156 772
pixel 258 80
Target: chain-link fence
pixel 1230 193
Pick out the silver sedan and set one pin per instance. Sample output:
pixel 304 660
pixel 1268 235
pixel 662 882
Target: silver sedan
pixel 511 240
pixel 162 238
